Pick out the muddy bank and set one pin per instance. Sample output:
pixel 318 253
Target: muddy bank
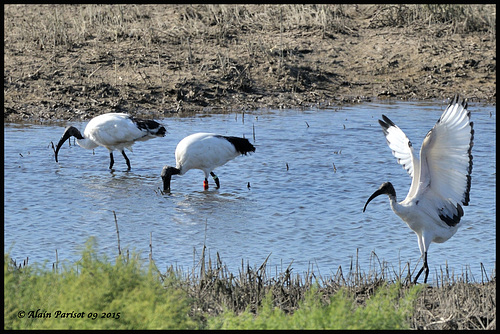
pixel 76 61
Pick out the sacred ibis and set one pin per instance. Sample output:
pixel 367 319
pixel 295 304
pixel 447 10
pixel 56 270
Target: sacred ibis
pixel 441 179
pixel 205 151
pixel 114 131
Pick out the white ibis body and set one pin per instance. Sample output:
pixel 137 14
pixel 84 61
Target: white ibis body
pixel 114 131
pixel 441 179
pixel 205 151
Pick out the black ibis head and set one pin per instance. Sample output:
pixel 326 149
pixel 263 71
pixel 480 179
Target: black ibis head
pixel 385 189
pixel 68 132
pixel 166 176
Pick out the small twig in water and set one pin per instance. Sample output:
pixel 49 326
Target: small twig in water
pixel 117 234
pixel 150 246
pixel 57 262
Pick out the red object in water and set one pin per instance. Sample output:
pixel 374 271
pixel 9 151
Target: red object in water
pixel 205 184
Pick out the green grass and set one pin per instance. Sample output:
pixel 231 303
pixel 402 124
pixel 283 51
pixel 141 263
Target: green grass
pixel 96 293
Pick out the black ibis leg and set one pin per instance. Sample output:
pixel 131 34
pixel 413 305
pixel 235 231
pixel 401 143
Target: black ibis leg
pixel 126 159
pixel 111 160
pixel 216 179
pixel 426 267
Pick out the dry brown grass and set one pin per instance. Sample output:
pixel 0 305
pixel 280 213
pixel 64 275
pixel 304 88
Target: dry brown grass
pixel 455 302
pixel 71 25
pixel 76 61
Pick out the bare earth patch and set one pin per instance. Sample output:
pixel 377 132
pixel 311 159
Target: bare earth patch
pixel 78 61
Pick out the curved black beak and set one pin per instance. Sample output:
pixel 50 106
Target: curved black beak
pixel 375 194
pixel 385 189
pixel 68 132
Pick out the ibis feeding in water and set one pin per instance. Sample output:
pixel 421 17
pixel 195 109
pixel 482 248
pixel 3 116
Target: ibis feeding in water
pixel 114 131
pixel 441 179
pixel 205 151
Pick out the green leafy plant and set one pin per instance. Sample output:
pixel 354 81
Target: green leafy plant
pixel 93 294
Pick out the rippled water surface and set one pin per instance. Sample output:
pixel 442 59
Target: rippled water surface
pixel 309 179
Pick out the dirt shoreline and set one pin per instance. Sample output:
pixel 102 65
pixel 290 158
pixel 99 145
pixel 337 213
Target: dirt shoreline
pixel 161 60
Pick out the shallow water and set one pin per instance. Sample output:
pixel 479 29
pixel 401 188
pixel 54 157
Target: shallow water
pixel 309 178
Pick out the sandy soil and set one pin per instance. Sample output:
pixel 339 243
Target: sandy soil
pixel 181 70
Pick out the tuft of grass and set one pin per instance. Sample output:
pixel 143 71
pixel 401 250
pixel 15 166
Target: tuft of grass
pixel 459 19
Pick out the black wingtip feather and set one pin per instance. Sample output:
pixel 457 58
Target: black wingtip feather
pixel 386 123
pixel 149 125
pixel 242 145
pixel 388 120
pixel 469 171
pixel 456 99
